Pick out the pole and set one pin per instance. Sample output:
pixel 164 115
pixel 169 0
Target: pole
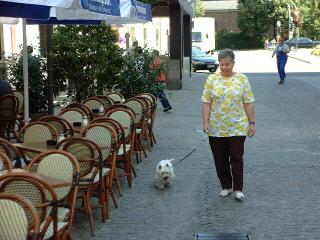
pixel 289 20
pixel 49 68
pixel 25 71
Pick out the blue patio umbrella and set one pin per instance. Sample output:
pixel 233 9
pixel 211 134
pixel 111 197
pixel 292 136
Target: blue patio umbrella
pixel 131 11
pixel 41 9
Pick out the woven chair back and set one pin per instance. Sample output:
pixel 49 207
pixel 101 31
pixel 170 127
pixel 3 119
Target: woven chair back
pixel 82 107
pixel 138 107
pixel 94 103
pixel 108 102
pixel 116 97
pixel 37 191
pixel 149 96
pixel 103 136
pixel 61 125
pixel 125 117
pixel 85 152
pixel 14 223
pixel 37 132
pixel 112 123
pixel 72 115
pixel 60 165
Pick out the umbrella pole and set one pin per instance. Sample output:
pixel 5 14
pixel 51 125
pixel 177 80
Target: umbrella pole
pixel 49 68
pixel 25 72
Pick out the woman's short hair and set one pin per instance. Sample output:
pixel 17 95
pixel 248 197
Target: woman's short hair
pixel 226 53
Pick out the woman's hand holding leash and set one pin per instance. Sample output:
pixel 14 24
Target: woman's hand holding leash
pixel 205 128
pixel 252 130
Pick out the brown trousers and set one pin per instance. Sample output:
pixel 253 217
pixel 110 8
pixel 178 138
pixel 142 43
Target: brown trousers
pixel 228 157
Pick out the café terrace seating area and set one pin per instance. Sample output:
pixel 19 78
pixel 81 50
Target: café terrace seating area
pixel 76 161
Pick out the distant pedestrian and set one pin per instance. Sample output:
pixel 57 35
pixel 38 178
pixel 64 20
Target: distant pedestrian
pixel 281 51
pixel 273 43
pixel 134 47
pixel 160 79
pixel 228 117
pixel 266 44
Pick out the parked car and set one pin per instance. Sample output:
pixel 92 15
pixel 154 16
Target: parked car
pixel 202 61
pixel 302 42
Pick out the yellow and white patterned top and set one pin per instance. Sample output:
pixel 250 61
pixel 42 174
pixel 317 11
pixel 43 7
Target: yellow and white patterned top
pixel 227 96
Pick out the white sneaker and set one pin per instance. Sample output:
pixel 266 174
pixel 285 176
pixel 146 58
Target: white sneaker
pixel 238 195
pixel 225 192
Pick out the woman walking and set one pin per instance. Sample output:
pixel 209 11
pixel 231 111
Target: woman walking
pixel 228 117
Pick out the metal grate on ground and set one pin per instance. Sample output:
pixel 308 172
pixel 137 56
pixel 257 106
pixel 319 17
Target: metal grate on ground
pixel 221 236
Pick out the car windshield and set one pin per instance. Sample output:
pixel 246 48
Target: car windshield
pixel 198 53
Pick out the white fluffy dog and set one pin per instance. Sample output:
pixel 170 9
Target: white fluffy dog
pixel 164 174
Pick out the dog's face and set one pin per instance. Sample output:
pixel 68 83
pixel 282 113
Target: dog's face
pixel 165 171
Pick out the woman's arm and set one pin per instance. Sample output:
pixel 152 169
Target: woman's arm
pixel 206 107
pixel 249 109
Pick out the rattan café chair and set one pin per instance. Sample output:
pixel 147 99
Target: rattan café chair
pixel 125 117
pixel 15 215
pixel 89 157
pixel 41 195
pixel 95 104
pixel 12 152
pixel 36 132
pixel 106 138
pixel 116 97
pixel 61 125
pixel 116 126
pixel 8 115
pixel 65 167
pixel 5 162
pixel 82 107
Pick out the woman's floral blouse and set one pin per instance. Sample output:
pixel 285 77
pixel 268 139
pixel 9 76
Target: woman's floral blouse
pixel 227 96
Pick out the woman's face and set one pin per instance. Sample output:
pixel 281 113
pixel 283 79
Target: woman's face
pixel 226 66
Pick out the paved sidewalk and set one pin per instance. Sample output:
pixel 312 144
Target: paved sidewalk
pixel 281 176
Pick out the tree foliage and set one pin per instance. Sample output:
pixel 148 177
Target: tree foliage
pixel 87 59
pixel 257 18
pixel 198 8
pixel 310 15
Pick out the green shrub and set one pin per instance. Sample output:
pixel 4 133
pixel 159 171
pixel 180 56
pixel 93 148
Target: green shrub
pixel 38 99
pixel 233 40
pixel 137 76
pixel 87 60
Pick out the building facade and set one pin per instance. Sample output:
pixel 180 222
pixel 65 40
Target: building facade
pixel 224 12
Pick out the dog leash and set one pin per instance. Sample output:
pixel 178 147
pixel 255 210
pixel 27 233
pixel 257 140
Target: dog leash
pixel 184 157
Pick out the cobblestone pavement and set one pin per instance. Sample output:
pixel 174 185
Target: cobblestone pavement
pixel 281 171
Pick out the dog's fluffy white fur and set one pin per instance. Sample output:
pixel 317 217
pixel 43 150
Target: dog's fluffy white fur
pixel 164 174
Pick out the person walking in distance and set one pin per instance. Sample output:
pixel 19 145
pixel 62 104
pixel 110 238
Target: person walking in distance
pixel 160 79
pixel 281 51
pixel 228 117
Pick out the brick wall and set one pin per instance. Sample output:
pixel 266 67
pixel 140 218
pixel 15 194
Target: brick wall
pixel 224 20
